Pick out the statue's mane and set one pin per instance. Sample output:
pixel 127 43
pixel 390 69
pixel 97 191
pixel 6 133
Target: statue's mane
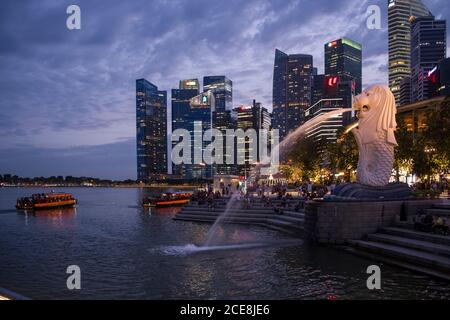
pixel 383 107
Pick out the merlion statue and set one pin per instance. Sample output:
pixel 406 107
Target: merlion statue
pixel 375 135
pixel 376 142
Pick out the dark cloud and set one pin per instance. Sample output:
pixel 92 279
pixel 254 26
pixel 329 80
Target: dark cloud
pixel 64 89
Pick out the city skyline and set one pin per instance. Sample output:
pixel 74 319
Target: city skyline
pixel 67 96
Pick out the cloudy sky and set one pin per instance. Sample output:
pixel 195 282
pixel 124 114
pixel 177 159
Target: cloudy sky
pixel 67 96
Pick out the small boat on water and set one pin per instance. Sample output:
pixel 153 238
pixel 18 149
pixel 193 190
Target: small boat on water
pixel 168 199
pixel 46 201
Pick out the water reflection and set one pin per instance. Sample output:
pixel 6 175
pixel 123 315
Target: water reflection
pixel 55 216
pixel 118 246
pixel 55 213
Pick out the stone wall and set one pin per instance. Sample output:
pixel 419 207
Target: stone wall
pixel 339 221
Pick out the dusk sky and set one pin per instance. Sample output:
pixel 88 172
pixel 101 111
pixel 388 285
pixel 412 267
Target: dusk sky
pixel 67 97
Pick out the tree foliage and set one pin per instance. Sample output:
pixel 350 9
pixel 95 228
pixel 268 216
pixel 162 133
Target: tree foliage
pixel 305 158
pixel 343 155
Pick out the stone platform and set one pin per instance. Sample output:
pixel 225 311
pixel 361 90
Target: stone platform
pixel 337 222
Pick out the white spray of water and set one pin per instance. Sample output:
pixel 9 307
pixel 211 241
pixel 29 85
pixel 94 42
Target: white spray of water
pixel 284 145
pixel 295 135
pixel 192 248
pixel 212 231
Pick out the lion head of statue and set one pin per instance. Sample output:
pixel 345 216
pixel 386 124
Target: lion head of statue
pixel 376 114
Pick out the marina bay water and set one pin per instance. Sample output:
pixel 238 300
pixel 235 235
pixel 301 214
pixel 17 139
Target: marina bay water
pixel 125 251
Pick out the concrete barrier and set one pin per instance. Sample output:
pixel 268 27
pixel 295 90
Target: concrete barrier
pixel 337 222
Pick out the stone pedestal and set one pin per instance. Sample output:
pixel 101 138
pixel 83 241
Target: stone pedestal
pixel 391 191
pixel 336 222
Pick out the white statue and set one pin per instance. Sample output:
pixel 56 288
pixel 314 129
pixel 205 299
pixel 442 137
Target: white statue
pixel 375 135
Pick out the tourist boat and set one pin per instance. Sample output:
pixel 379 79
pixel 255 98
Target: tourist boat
pixel 167 199
pixel 46 201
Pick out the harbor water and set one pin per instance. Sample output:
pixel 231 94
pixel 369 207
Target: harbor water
pixel 126 251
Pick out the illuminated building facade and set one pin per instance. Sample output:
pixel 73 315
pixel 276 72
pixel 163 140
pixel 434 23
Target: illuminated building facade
pixel 222 87
pixel 292 82
pixel 415 115
pixel 337 93
pixel 199 120
pixel 181 115
pixel 343 57
pixel 189 84
pixel 251 117
pixel 222 118
pixel 151 131
pixel 399 34
pixel 325 130
pixel 428 47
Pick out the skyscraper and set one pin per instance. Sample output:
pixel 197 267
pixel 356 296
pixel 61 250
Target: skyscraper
pixel 222 88
pixel 399 33
pixel 253 117
pixel 325 130
pixel 405 91
pixel 292 81
pixel 428 47
pixel 439 79
pixel 318 88
pixel 199 120
pixel 337 93
pixel 222 119
pixel 181 115
pixel 343 57
pixel 151 131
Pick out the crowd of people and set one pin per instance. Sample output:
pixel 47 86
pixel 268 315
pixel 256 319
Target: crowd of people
pixel 206 197
pixel 432 223
pixel 437 187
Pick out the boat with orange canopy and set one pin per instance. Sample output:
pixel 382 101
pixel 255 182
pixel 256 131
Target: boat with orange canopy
pixel 46 201
pixel 167 199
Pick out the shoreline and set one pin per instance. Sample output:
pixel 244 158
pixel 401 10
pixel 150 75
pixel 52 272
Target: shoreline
pixel 106 186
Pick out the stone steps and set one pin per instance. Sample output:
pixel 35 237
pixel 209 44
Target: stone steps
pixel 290 222
pixel 399 263
pixel 399 245
pixel 408 255
pixel 416 235
pixel 292 216
pixel 273 224
pixel 439 212
pixel 282 230
pixel 284 224
pixel 281 220
pixel 300 214
pixel 220 210
pixel 216 214
pixel 445 206
pixel 426 246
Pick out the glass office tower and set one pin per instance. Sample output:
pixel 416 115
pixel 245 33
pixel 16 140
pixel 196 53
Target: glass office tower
pixel 253 117
pixel 151 131
pixel 399 33
pixel 343 57
pixel 292 82
pixel 428 47
pixel 222 118
pixel 181 116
